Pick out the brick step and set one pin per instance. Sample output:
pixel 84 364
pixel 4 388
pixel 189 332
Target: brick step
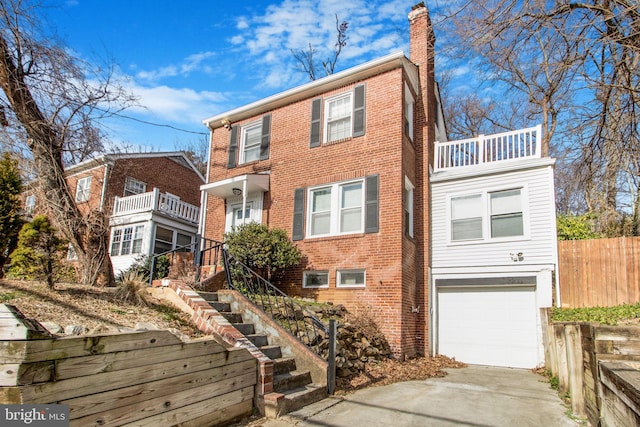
pixel 208 296
pixel 244 328
pixel 300 397
pixel 232 317
pixel 291 381
pixel 271 351
pixel 259 340
pixel 284 365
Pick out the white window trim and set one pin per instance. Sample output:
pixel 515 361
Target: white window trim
pixel 130 186
pixel 351 270
pixel 486 216
pixel 334 227
pixel 83 189
pixel 409 107
pixel 325 116
pixel 305 274
pixel 134 228
pixel 243 137
pixel 409 205
pixel 255 199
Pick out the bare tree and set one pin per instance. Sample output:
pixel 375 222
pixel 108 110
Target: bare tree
pixel 578 64
pixel 305 58
pixel 50 99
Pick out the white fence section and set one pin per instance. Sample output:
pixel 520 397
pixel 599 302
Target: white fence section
pixel 524 143
pixel 156 201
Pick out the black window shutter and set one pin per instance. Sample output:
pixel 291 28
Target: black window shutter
pixel 233 147
pixel 266 137
pixel 298 214
pixel 371 204
pixel 358 110
pixel 316 122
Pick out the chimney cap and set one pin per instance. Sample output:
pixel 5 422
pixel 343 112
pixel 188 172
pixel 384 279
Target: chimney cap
pixel 418 6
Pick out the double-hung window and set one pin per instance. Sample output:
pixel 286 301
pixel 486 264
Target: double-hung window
pixel 127 240
pixel 30 204
pixel 133 186
pixel 487 215
pixel 408 112
pixel 250 142
pixel 83 189
pixel 408 207
pixel 338 112
pixel 336 209
pixel 466 217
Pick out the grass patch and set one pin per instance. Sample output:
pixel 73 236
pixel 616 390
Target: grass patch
pixel 168 313
pixel 7 296
pixel 603 315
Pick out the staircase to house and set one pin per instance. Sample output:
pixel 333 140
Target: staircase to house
pixel 296 386
pixel 248 311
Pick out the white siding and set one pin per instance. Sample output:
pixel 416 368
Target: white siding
pixel 539 248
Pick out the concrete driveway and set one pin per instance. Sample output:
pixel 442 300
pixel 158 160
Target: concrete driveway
pixel 472 396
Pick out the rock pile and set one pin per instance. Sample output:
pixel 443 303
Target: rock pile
pixel 357 345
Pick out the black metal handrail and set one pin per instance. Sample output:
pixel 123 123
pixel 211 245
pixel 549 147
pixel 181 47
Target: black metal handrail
pixel 299 322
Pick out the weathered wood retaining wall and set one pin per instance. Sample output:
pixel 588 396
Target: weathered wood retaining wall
pixel 147 378
pixel 598 366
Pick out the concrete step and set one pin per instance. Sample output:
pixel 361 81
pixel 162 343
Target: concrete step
pixel 259 340
pixel 244 328
pixel 222 307
pixel 208 296
pixel 291 380
pixel 232 317
pixel 303 396
pixel 271 351
pixel 284 365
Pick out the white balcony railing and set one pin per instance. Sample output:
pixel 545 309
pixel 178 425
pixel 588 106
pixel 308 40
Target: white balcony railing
pixel 156 201
pixel 519 144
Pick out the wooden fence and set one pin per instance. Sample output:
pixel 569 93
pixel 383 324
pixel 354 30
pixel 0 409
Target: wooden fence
pixel 599 272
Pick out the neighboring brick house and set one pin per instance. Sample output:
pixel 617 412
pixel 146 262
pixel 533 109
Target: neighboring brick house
pixel 152 200
pixel 345 164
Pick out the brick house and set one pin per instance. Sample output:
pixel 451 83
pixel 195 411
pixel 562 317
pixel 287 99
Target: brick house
pixel 152 200
pixel 344 164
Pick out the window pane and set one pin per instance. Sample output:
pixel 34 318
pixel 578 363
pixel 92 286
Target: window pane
pixel 339 118
pixel 321 200
pixel 115 242
pixel 352 195
pixel 466 207
pixel 320 223
pixel 126 241
pixel 505 202
pixel 507 225
pixel 137 240
pixel 183 240
pixel 252 137
pixel 351 220
pixel 316 279
pixel 351 278
pixel 466 229
pixel 164 234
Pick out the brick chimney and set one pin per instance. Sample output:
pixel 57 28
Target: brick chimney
pixel 422 55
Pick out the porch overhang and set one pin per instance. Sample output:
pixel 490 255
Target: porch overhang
pixel 238 185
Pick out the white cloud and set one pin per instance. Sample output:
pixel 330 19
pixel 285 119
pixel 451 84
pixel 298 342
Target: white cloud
pixel 191 63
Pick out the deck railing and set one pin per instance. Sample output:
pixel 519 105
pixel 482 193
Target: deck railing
pixel 156 201
pixel 519 144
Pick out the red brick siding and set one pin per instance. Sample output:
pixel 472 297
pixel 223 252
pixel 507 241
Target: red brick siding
pixel 294 165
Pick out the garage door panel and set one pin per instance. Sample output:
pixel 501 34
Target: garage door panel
pixel 489 325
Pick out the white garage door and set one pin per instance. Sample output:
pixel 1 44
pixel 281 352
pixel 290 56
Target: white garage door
pixel 486 325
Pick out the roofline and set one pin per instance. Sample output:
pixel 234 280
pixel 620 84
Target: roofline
pixel 111 157
pixel 364 70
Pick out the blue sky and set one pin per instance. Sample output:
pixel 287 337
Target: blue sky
pixel 188 60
